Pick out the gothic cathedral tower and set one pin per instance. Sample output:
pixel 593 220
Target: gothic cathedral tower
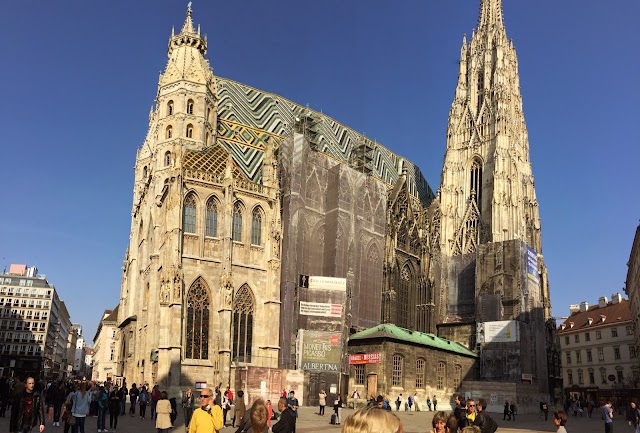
pixel 486 218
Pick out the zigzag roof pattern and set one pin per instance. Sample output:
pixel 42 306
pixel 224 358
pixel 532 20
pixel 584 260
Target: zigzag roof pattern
pixel 276 116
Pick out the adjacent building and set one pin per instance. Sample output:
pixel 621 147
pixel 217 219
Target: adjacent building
pixel 632 289
pixel 72 341
pixel 34 325
pixel 104 359
pixel 598 350
pixel 79 358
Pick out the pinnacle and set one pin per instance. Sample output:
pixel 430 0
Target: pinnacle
pixel 490 13
pixel 187 27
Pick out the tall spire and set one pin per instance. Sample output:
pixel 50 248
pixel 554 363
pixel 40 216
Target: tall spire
pixel 188 36
pixel 490 13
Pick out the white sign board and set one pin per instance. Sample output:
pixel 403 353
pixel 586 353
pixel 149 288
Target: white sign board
pixel 320 309
pixel 505 331
pixel 328 283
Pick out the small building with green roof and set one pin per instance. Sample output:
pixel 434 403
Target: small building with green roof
pixel 396 362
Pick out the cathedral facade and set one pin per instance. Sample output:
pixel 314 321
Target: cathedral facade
pixel 238 192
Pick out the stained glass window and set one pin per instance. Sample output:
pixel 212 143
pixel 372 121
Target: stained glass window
pixel 237 223
pixel 256 227
pixel 243 309
pixel 404 287
pixel 211 218
pixel 189 214
pixel 198 310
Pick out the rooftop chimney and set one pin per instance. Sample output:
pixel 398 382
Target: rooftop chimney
pixel 616 298
pixel 602 301
pixel 584 306
pixel 573 308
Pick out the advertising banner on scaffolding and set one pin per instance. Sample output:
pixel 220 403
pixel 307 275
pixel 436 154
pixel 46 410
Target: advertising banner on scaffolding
pixel 321 309
pixel 504 331
pixel 320 350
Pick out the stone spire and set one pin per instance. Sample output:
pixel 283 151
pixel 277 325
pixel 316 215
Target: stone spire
pixel 487 190
pixel 490 13
pixel 188 36
pixel 187 27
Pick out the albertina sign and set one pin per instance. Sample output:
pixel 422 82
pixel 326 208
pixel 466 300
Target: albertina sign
pixel 320 351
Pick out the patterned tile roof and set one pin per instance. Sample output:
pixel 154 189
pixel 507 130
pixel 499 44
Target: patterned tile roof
pixel 613 314
pixel 212 160
pixel 392 332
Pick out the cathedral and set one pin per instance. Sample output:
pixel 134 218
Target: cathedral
pixel 240 195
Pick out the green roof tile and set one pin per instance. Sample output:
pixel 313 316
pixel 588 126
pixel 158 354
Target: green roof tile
pixel 393 332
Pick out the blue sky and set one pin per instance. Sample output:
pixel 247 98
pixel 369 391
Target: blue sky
pixel 78 78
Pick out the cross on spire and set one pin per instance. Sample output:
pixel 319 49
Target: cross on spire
pixel 187 27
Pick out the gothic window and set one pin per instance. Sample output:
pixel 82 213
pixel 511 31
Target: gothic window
pixel 402 235
pixel 190 106
pixel 398 367
pixel 169 132
pixel 198 307
pixel 243 309
pixel 189 214
pixel 440 374
pixel 404 290
pixel 236 234
pixel 475 183
pixel 206 139
pixel 167 159
pixel 457 376
pixel 211 218
pixel 256 227
pixel 144 173
pixel 189 131
pixel 420 367
pixel 169 108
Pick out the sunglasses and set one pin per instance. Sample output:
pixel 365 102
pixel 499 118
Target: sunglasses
pixel 205 396
pixel 471 405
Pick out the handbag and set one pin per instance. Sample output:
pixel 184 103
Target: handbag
pixel 72 420
pixel 50 413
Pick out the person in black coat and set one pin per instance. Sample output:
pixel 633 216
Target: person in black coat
pixel 287 423
pixel 35 401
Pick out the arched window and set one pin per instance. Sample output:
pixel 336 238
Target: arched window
pixel 211 218
pixel 404 290
pixel 256 227
pixel 243 308
pixel 198 307
pixel 397 373
pixel 189 131
pixel 144 173
pixel 440 373
pixel 206 139
pixel 475 181
pixel 457 376
pixel 169 132
pixel 189 214
pixel 169 108
pixel 190 106
pixel 167 158
pixel 420 367
pixel 236 232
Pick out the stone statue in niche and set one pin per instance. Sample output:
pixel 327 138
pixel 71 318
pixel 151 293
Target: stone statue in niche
pixel 226 289
pixel 164 292
pixel 178 276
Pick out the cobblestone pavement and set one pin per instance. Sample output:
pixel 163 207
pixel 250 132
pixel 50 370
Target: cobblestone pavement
pixel 413 422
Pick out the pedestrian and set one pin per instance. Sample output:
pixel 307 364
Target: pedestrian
pixel 369 419
pixel 505 412
pixel 269 412
pixel 27 409
pixel 323 402
pixel 188 405
pixel 607 416
pixel 102 401
pixel 287 422
pixel 633 416
pixel 81 400
pixel 225 408
pixel 143 400
pixel 439 422
pixel 560 420
pixel 429 403
pixel 435 403
pixel 155 397
pixel 58 400
pixel 114 408
pixel 259 417
pixel 292 401
pixel 398 402
pixel 458 412
pixel 240 409
pixel 208 417
pixel 163 413
pixel 545 410
pixel 483 419
pixel 66 413
pixel 122 398
pixel 133 398
pixel 512 411
pixel 470 414
pixel 410 402
pixel 337 408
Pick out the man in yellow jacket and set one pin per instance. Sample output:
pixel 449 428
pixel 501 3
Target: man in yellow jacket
pixel 208 417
